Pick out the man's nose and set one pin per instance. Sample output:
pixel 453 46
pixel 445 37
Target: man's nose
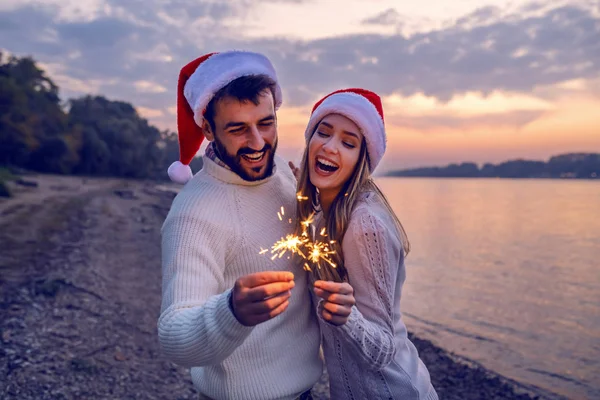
pixel 255 140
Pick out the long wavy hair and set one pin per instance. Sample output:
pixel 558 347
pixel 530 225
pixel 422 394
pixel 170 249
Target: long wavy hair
pixel 340 211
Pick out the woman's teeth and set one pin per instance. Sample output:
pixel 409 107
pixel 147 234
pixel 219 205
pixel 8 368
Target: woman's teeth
pixel 326 165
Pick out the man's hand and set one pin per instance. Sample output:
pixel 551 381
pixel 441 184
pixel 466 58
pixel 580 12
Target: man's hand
pixel 338 299
pixel 258 297
pixel 295 170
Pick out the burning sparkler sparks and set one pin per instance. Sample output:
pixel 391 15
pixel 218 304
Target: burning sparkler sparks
pixel 300 197
pixel 308 221
pixel 314 251
pixel 320 251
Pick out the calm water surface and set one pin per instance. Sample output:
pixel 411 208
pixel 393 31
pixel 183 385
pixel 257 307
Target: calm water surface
pixel 507 273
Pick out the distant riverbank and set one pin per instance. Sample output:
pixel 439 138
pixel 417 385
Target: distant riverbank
pixel 564 166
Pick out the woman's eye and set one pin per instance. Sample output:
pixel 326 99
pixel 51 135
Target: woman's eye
pixel 349 145
pixel 321 134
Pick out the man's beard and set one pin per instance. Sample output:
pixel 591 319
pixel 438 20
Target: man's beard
pixel 234 162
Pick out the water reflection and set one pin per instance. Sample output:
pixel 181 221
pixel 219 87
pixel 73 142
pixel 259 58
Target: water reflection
pixel 505 272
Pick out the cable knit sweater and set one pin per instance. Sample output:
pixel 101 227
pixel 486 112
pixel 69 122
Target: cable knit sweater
pixel 370 357
pixel 212 235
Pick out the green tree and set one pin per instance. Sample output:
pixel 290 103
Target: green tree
pixel 32 122
pixel 96 136
pixel 116 140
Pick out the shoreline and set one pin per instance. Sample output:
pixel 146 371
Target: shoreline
pixel 80 288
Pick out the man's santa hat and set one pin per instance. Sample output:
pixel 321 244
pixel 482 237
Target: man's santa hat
pixel 361 106
pixel 198 83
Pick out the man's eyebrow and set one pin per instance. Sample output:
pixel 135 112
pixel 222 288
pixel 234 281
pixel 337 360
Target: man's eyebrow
pixel 233 124
pixel 265 119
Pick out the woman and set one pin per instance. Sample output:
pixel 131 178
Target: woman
pixel 367 352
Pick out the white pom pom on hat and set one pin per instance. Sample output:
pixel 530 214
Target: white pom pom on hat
pixel 198 83
pixel 180 173
pixel 361 106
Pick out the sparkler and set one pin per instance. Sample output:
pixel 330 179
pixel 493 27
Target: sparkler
pixel 314 251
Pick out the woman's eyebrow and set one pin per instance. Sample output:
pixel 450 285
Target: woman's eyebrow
pixel 351 134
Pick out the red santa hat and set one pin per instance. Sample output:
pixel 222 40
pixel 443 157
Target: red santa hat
pixel 198 83
pixel 361 106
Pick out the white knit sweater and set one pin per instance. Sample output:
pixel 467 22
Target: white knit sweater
pixel 212 235
pixel 370 357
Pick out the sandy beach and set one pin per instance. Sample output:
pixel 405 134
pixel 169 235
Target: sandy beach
pixel 80 292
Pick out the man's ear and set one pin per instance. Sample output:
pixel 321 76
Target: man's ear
pixel 207 130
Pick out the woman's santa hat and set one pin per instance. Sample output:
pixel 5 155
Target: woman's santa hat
pixel 198 83
pixel 361 106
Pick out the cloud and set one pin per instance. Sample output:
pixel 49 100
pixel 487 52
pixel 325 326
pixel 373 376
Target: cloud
pixel 124 42
pixel 481 16
pixel 149 87
pixel 507 110
pixel 287 1
pixel 387 17
pixel 149 112
pixel 468 104
pixel 102 32
pixel 515 55
pixel 434 123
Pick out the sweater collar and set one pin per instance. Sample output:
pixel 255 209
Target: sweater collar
pixel 228 176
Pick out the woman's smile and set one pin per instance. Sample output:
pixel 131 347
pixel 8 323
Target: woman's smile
pixel 325 167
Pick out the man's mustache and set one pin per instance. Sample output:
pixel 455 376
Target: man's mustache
pixel 248 150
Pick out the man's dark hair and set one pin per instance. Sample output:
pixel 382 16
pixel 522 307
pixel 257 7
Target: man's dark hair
pixel 245 88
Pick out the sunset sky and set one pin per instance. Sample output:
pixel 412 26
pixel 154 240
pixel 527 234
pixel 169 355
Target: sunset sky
pixel 462 80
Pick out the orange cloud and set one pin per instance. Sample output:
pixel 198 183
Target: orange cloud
pixel 501 126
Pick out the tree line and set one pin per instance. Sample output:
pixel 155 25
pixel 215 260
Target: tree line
pixel 571 165
pixel 90 135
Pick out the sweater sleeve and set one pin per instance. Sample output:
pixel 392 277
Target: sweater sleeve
pixel 372 255
pixel 196 326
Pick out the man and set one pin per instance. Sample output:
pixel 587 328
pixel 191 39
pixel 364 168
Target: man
pixel 242 321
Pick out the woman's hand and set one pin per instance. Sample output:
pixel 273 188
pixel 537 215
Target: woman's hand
pixel 338 300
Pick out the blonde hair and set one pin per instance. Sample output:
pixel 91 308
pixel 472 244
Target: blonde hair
pixel 340 211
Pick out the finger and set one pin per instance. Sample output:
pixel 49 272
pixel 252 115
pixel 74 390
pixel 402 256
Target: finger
pixel 292 166
pixel 262 278
pixel 332 319
pixel 324 294
pixel 268 305
pixel 263 292
pixel 273 313
pixel 336 309
pixel 335 287
pixel 342 299
pixel 320 292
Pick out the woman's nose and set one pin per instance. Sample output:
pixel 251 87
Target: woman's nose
pixel 330 146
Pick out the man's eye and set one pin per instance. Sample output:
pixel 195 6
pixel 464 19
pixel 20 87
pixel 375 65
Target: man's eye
pixel 267 123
